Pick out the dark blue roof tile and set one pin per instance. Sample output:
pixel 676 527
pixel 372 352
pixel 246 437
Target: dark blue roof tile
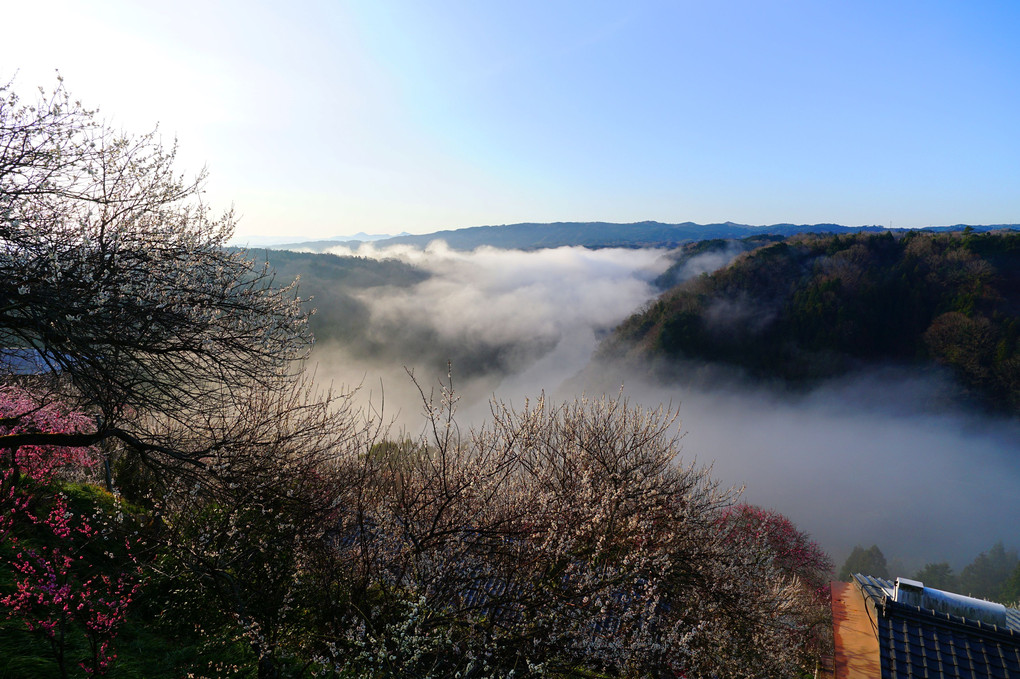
pixel 916 642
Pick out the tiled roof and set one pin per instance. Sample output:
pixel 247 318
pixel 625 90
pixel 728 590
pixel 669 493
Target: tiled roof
pixel 916 642
pixel 22 361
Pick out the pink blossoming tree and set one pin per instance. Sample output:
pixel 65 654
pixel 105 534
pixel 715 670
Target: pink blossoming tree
pixel 69 576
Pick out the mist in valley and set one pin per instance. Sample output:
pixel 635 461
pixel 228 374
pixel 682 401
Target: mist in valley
pixel 877 457
pixel 510 322
pixel 888 456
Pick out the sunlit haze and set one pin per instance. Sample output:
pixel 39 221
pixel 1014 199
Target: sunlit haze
pixel 318 119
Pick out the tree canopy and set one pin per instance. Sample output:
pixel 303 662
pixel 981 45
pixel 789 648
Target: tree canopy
pixel 870 561
pixel 114 279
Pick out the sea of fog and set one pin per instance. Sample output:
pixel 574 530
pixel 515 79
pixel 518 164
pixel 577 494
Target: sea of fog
pixel 882 457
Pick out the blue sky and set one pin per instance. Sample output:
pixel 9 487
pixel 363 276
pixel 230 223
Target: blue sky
pixel 326 118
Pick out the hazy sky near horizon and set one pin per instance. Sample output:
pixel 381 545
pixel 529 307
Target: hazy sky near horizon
pixel 329 117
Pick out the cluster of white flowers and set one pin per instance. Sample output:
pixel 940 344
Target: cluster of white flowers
pixel 557 538
pixel 116 272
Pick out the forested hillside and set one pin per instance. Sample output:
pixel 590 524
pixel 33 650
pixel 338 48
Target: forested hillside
pixel 331 283
pixel 706 256
pixel 345 294
pixel 816 306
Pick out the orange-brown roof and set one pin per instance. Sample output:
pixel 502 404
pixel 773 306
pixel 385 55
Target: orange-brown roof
pixel 855 635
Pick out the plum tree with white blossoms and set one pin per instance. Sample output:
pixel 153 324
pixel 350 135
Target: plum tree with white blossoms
pixel 557 538
pixel 121 305
pixel 114 276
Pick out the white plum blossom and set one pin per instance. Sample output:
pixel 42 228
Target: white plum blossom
pixel 115 272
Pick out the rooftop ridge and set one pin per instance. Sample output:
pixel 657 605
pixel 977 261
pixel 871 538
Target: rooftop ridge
pixel 878 590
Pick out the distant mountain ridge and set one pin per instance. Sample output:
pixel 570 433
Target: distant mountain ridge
pixel 362 236
pixel 537 236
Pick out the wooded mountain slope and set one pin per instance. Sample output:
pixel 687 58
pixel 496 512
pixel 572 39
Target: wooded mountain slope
pixel 337 289
pixel 330 284
pixel 704 256
pixel 816 306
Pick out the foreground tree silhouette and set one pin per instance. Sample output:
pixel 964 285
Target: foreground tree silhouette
pixel 114 277
pixel 119 301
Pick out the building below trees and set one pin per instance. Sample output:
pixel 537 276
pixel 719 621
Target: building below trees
pixel 902 628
